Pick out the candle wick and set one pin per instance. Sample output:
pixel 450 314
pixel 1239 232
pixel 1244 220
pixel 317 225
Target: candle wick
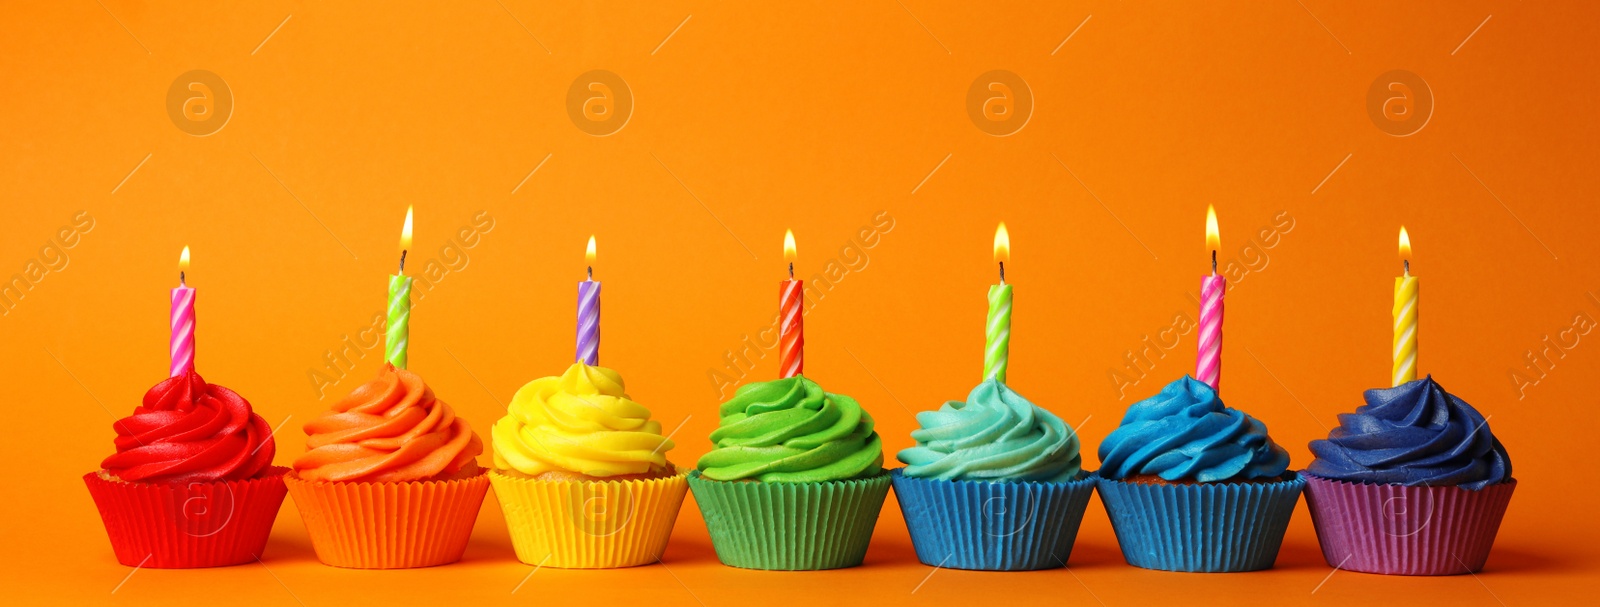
pixel 591 273
pixel 1213 262
pixel 1407 263
pixel 402 261
pixel 182 281
pixel 1002 273
pixel 791 270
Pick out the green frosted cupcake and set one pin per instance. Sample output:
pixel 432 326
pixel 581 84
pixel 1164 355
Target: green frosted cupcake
pixel 795 480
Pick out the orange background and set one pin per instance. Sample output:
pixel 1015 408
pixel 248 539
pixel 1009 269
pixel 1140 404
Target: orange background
pixel 749 120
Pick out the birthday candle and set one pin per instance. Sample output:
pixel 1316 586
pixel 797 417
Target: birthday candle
pixel 997 331
pixel 589 313
pixel 1208 362
pixel 791 330
pixel 181 344
pixel 1405 317
pixel 397 332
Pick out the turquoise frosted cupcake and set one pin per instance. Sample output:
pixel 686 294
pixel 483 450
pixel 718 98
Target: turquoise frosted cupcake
pixel 795 480
pixel 1193 485
pixel 995 484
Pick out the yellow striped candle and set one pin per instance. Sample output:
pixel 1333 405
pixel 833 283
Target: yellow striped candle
pixel 1405 317
pixel 397 331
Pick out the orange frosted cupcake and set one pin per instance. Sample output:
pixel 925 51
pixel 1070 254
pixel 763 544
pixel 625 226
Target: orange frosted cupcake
pixel 582 475
pixel 389 478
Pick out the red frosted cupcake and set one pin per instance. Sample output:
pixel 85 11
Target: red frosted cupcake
pixel 192 482
pixel 389 478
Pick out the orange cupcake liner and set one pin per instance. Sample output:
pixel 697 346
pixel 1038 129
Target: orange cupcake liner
pixel 389 525
pixel 187 525
pixel 583 524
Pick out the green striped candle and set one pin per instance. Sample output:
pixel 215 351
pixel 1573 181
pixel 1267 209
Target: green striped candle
pixel 997 332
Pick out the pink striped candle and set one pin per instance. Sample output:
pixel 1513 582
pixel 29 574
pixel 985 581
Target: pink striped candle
pixel 181 345
pixel 1208 361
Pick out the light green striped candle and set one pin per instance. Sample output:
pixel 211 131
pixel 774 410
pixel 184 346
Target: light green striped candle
pixel 997 334
pixel 397 332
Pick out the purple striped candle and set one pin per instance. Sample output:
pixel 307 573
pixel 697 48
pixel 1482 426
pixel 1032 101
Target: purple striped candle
pixel 589 312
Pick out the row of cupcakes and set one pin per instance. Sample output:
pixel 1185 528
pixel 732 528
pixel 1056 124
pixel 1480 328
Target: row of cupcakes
pixel 1414 482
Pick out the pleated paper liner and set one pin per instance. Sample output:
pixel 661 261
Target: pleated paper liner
pixel 790 526
pixel 1204 527
pixel 184 525
pixel 589 524
pixel 1400 530
pixel 389 525
pixel 992 525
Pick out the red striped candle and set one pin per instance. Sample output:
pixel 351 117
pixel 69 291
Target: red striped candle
pixel 791 306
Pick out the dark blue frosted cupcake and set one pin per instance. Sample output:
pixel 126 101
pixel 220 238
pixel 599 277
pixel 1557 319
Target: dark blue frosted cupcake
pixel 1412 483
pixel 995 484
pixel 1192 485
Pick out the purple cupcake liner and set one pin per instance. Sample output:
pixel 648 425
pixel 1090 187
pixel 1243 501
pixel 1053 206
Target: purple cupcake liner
pixel 992 525
pixel 1205 527
pixel 1403 530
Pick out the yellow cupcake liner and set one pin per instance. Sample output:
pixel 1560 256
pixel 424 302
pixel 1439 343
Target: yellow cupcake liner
pixel 589 524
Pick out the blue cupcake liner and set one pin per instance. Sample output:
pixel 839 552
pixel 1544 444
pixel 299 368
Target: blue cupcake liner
pixel 992 525
pixel 1206 527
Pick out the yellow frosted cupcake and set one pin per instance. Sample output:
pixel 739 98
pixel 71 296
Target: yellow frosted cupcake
pixel 582 474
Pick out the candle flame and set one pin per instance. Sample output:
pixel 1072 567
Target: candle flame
pixel 1213 239
pixel 405 232
pixel 788 246
pixel 183 259
pixel 1405 244
pixel 588 254
pixel 1002 244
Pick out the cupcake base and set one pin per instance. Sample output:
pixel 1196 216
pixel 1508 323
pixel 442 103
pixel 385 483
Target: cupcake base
pixel 1401 530
pixel 1206 527
pixel 389 525
pixel 187 525
pixel 992 525
pixel 791 526
pixel 578 524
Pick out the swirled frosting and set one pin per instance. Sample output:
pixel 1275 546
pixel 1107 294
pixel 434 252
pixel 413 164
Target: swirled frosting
pixel 388 429
pixel 996 435
pixel 1186 433
pixel 581 421
pixel 790 431
pixel 1412 434
pixel 187 431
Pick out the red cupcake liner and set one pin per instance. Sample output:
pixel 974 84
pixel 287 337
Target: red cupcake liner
pixel 1402 530
pixel 188 525
pixel 389 525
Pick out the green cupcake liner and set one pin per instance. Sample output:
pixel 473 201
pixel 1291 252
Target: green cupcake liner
pixel 790 526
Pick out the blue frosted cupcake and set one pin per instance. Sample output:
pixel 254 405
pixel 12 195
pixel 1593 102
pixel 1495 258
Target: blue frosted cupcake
pixel 995 484
pixel 1412 483
pixel 1192 485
